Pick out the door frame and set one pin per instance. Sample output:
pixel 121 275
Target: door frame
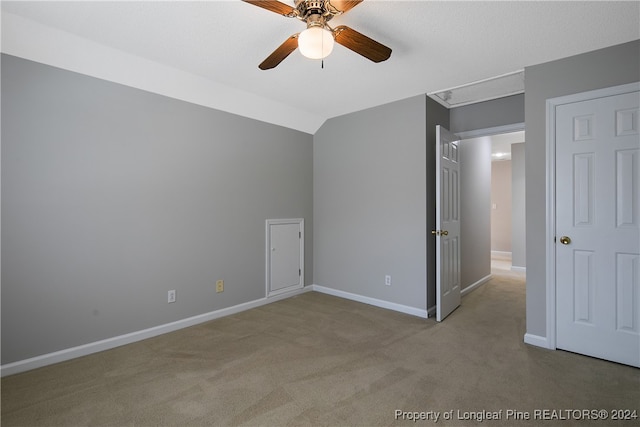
pixel 550 228
pixel 469 134
pixel 497 130
pixel 268 224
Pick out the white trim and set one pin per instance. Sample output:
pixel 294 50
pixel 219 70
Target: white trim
pixel 537 341
pixel 497 130
pixel 109 343
pixel 268 223
pixel 372 301
pixel 435 97
pixel 501 254
pixel 475 101
pixel 550 227
pixel 519 269
pixel 551 106
pixel 475 285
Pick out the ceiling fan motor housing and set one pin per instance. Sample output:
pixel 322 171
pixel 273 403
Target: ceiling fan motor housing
pixel 314 12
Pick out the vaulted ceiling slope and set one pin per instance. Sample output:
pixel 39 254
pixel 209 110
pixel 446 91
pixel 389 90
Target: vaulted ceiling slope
pixel 208 52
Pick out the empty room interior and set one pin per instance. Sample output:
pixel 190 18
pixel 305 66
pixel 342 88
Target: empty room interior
pixel 430 213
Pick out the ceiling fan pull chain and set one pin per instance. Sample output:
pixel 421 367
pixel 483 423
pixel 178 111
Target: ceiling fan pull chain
pixel 322 59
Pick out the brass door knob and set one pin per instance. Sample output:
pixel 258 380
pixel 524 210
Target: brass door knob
pixel 565 240
pixel 445 233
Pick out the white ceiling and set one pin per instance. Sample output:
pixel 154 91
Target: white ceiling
pixel 436 45
pixel 500 143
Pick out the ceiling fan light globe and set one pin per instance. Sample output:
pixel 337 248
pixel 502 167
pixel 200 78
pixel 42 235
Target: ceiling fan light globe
pixel 315 42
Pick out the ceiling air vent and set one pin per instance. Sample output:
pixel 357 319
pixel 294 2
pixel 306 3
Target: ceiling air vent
pixel 483 90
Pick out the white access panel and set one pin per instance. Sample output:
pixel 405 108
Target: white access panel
pixel 284 255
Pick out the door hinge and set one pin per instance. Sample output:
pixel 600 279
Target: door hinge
pixel 299 272
pixel 299 234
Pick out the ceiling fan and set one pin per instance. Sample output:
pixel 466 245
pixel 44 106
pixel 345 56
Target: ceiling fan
pixel 316 42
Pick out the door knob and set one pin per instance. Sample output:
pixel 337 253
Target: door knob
pixel 445 233
pixel 565 240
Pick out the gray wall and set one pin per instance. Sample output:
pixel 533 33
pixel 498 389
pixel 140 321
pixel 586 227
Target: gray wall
pixel 111 196
pixel 518 207
pixel 488 114
pixel 594 70
pixel 370 203
pixel 501 209
pixel 475 210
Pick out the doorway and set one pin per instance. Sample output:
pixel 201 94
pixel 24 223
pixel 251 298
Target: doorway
pixel 480 149
pixel 507 202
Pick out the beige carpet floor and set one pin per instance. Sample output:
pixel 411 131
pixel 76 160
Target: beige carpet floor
pixel 319 360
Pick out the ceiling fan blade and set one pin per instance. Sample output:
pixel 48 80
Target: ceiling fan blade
pixel 361 44
pixel 345 5
pixel 273 5
pixel 280 53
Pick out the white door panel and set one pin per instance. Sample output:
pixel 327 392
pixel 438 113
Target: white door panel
pixel 598 210
pixel 447 223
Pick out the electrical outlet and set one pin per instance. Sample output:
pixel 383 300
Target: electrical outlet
pixel 171 296
pixel 220 286
pixel 387 280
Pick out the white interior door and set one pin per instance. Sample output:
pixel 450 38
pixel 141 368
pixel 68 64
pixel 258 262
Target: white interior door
pixel 285 255
pixel 447 230
pixel 597 227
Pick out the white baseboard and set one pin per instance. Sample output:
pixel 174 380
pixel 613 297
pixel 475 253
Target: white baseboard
pixel 501 254
pixel 372 301
pixel 475 285
pixel 519 269
pixel 109 343
pixel 536 340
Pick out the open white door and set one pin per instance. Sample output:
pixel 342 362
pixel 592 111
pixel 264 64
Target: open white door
pixel 598 227
pixel 447 230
